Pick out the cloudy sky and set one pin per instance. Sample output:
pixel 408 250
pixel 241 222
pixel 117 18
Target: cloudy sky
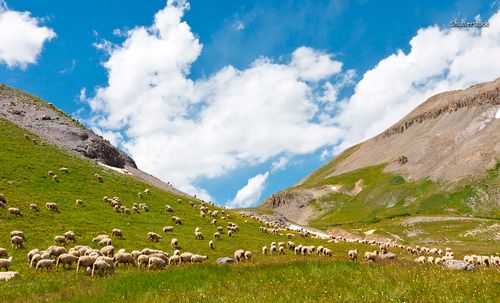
pixel 234 100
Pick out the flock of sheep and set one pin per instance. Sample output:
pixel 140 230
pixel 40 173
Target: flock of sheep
pixel 105 260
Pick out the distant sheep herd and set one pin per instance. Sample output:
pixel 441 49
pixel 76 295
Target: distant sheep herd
pixel 105 260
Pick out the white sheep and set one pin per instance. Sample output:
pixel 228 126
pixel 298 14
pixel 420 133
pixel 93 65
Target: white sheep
pixel 198 258
pixel 36 257
pixel 44 263
pixel 176 220
pixel 186 256
pixel 353 254
pixel 420 260
pixel 60 240
pixel 142 260
pixel 105 242
pixel 100 266
pixel 70 236
pixel 217 235
pixel 30 254
pixel 118 233
pixel 5 263
pixel 108 250
pixel 198 235
pixel 239 255
pixel 79 202
pixel 168 208
pixel 99 238
pixel 167 229
pixel 17 233
pixel 66 259
pixel 175 259
pixel 124 258
pixel 34 207
pixel 174 243
pixel 14 211
pixel 98 177
pixel 51 206
pixel 248 255
pixel 64 169
pixel 153 237
pixel 371 256
pixel 17 242
pixel 211 244
pixel 264 250
pixel 55 178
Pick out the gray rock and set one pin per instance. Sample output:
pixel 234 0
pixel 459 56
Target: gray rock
pixel 6 276
pixel 387 256
pixel 225 260
pixel 458 265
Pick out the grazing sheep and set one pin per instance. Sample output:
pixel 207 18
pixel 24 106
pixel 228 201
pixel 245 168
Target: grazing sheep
pixel 239 255
pixel 70 236
pixel 55 178
pixel 146 191
pixel 353 254
pixel 420 260
pixel 430 259
pixel 198 258
pixel 14 211
pixel 17 242
pixel 98 177
pixel 214 222
pixel 142 260
pixel 126 211
pixel 175 259
pixel 100 266
pixel 66 259
pixel 64 169
pixel 211 244
pixel 50 173
pixel 35 259
pixel 217 235
pixel 281 250
pixel 79 202
pixel 177 252
pixel 44 263
pixel 108 251
pixel 51 206
pixel 5 263
pixel 99 238
pixel 30 254
pixel 124 258
pixel 117 233
pixel 139 194
pixel 438 261
pixel 248 255
pixel 34 207
pixel 371 256
pixel 17 233
pixel 264 250
pixel 154 237
pixel 327 252
pixel 168 208
pixel 56 251
pixel 220 229
pixel 168 229
pixel 176 220
pixel 198 235
pixel 60 240
pixel 273 249
pixel 229 233
pixel 186 256
pixel 174 243
pixel 105 242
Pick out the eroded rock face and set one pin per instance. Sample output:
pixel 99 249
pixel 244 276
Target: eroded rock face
pixel 56 127
pixel 298 198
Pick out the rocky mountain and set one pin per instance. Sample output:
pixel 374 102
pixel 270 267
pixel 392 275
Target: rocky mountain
pixel 447 145
pixel 55 126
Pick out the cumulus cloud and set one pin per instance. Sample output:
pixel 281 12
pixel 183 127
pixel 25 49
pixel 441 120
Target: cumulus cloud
pixel 183 130
pixel 21 37
pixel 279 164
pixel 250 194
pixel 440 59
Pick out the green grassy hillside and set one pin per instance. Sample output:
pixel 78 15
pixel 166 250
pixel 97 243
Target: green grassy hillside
pixel 24 180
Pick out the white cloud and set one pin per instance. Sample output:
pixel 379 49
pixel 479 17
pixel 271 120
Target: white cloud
pixel 239 25
pixel 83 94
pixel 439 60
pixel 21 37
pixel 250 194
pixel 279 164
pixel 183 130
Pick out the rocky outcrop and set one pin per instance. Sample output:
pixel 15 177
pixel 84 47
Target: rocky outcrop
pixel 298 198
pixel 56 127
pixel 456 102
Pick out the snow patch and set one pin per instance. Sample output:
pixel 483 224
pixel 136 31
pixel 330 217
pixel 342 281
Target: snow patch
pixel 120 170
pixel 497 115
pixel 320 235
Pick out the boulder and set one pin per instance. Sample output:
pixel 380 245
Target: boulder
pixel 6 276
pixel 225 260
pixel 458 265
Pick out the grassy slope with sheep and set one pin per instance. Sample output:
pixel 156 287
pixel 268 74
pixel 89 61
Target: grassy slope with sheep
pixel 24 180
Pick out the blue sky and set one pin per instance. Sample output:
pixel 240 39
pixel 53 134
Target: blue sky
pixel 357 34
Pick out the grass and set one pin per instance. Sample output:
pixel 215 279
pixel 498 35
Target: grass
pixel 24 180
